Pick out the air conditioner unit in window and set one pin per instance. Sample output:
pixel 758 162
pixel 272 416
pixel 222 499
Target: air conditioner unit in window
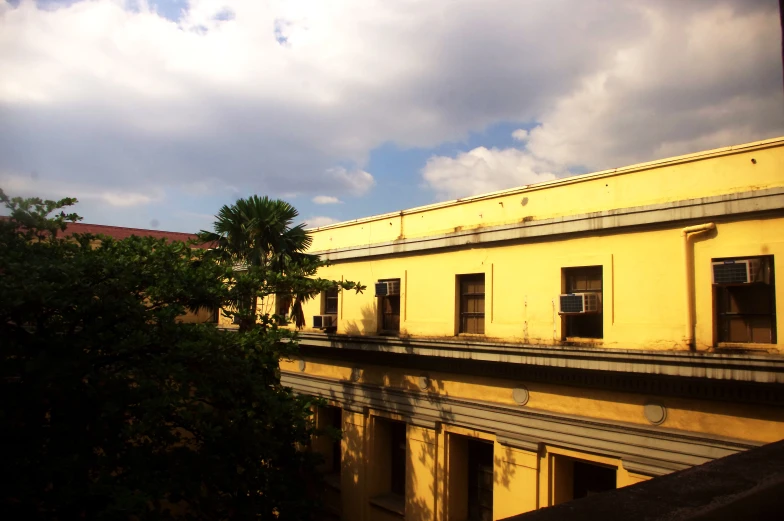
pixel 388 288
pixel 741 271
pixel 324 321
pixel 580 303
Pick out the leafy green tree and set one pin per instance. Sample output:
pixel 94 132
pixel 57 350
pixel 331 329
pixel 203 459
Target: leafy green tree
pixel 113 408
pixel 256 237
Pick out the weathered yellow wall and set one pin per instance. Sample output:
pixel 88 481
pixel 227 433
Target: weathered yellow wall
pixel 709 173
pixel 353 466
pixel 643 269
pixel 436 474
pixel 523 480
pixel 759 423
pixel 516 481
pixel 643 304
pixel 643 275
pixel 201 316
pixel 421 469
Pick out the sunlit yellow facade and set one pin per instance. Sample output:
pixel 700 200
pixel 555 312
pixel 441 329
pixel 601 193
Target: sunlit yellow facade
pixel 469 393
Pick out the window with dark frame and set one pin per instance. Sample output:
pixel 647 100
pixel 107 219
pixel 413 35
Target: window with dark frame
pixel 586 279
pixel 576 479
pixel 397 437
pixel 589 479
pixel 335 419
pixel 283 304
pixel 390 310
pixel 331 302
pixel 480 480
pixel 746 313
pixel 472 303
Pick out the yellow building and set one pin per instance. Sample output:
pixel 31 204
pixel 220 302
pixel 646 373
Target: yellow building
pixel 518 349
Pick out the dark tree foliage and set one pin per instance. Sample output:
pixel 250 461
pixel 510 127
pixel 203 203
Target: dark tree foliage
pixel 257 236
pixel 112 408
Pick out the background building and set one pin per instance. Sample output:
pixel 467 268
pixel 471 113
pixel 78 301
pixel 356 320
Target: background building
pixel 120 232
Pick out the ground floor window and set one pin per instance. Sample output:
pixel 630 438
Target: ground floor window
pixel 398 458
pixel 334 418
pixel 469 478
pixel 480 480
pixel 389 454
pixel 575 479
pixel 328 444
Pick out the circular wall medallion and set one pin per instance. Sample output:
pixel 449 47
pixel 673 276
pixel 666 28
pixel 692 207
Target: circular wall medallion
pixel 655 413
pixel 424 382
pixel 520 395
pixel 356 374
pixel 301 365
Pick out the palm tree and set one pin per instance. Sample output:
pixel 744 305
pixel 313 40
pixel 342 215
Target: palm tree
pixel 258 232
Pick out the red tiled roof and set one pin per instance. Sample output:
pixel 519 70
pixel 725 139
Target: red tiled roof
pixel 119 233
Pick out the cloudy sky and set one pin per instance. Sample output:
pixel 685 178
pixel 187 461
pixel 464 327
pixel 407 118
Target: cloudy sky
pixel 155 113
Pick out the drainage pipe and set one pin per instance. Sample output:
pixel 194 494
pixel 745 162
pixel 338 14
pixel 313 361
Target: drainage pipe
pixel 687 233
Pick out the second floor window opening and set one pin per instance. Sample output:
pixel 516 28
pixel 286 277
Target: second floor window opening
pixel 584 280
pixel 388 292
pixel 331 302
pixel 472 303
pixel 745 300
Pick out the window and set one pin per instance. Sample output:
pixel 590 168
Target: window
pixel 480 480
pixel 328 446
pixel 283 305
pixel 389 306
pixel 398 455
pixel 472 303
pixel 575 479
pixel 592 479
pixel 331 302
pixel 387 483
pixel 746 312
pixel 331 421
pixel 584 280
pixel 469 482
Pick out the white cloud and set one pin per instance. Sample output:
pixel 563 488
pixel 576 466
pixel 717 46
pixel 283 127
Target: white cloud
pixel 318 221
pixel 123 199
pixel 32 185
pixel 681 87
pixel 326 199
pixel 484 170
pixel 115 100
pixel 684 88
pixel 356 182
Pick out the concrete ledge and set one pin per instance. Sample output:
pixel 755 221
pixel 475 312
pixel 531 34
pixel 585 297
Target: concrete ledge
pixel 656 214
pixel 749 485
pixel 742 367
pixel 647 450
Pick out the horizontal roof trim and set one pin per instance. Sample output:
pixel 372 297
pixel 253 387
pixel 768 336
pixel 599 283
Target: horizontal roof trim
pixel 715 207
pixel 767 143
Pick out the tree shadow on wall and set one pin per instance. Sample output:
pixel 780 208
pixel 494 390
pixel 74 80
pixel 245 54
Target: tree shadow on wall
pixel 367 325
pixel 421 408
pixel 379 389
pixel 370 325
